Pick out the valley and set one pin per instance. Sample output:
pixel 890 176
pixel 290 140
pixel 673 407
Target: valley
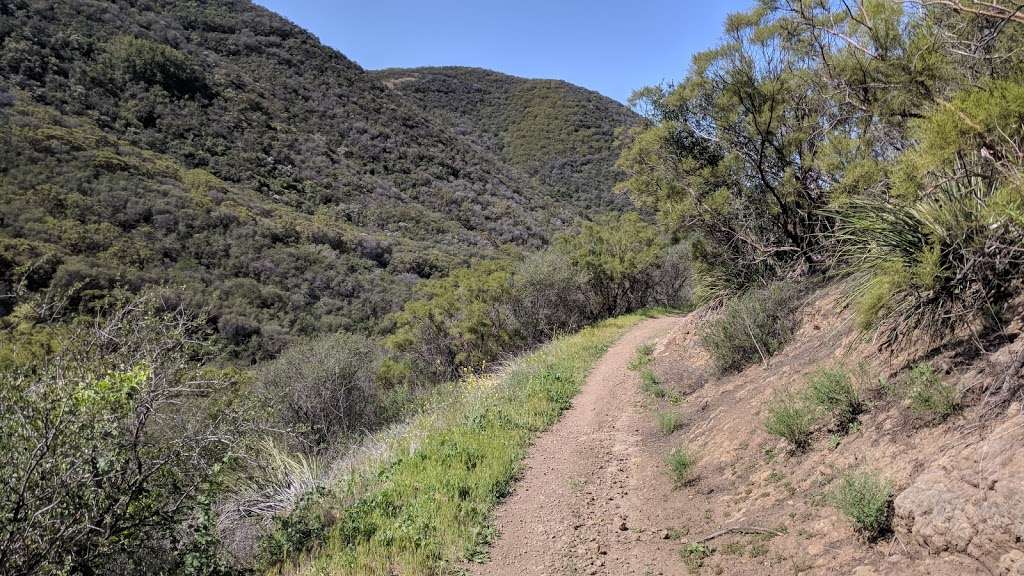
pixel 264 310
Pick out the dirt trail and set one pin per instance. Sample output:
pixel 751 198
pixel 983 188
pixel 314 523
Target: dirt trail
pixel 594 496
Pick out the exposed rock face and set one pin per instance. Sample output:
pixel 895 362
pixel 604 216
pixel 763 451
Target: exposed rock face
pixel 972 502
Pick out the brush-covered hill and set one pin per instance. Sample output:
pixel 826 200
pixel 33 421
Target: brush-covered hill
pixel 223 153
pixel 562 135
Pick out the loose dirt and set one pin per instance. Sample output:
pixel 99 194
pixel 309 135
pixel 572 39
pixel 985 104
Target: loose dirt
pixel 594 496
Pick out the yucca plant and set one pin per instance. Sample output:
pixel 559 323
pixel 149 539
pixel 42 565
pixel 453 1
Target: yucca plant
pixel 276 481
pixel 947 260
pixel 945 251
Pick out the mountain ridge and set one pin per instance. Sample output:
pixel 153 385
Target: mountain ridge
pixel 563 135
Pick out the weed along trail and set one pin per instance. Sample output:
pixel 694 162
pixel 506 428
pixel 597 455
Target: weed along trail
pixel 593 486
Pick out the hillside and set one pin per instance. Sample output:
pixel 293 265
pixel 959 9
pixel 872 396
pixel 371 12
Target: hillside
pixel 221 153
pixel 562 135
pixel 265 312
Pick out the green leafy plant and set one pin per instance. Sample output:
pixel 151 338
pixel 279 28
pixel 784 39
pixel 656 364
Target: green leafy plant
pixel 650 384
pixel 643 358
pixel 751 327
pixel 791 417
pixel 866 499
pixel 928 396
pixel 681 463
pixel 668 422
pixel 832 389
pixel 695 554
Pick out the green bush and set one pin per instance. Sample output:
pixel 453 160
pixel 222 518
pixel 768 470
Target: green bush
pixel 111 446
pixel 650 384
pixel 751 327
pixel 128 58
pixel 791 417
pixel 866 499
pixel 833 391
pixel 326 388
pixel 643 357
pixel 939 255
pixel 680 464
pixel 619 256
pixel 459 322
pixel 928 396
pixel 668 422
pixel 694 556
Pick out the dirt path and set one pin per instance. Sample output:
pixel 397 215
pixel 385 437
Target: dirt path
pixel 594 497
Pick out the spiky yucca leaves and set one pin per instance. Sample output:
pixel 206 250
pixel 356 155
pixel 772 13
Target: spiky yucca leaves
pixel 949 260
pixel 945 251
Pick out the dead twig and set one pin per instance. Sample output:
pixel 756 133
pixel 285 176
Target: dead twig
pixel 738 530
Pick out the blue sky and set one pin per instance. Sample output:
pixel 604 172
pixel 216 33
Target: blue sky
pixel 613 47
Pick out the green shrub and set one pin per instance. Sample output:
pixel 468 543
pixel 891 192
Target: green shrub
pixel 833 391
pixel 325 388
pixel 128 58
pixel 938 255
pixel 928 396
pixel 791 417
pixel 751 327
pixel 680 464
pixel 111 447
pixel 643 358
pixel 650 384
pixel 459 322
pixel 619 256
pixel 668 422
pixel 866 499
pixel 694 555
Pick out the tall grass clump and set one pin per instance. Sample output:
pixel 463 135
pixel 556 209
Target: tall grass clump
pixel 427 501
pixel 928 396
pixel 651 385
pixel 866 499
pixel 668 422
pixel 833 391
pixel 751 327
pixel 791 417
pixel 643 358
pixel 641 363
pixel 680 464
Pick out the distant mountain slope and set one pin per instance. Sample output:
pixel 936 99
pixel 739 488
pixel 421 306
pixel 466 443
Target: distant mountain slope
pixel 559 133
pixel 219 151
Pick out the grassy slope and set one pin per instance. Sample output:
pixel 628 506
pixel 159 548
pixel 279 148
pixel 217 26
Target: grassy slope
pixel 427 502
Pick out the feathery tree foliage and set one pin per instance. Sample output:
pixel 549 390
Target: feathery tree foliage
pixel 877 138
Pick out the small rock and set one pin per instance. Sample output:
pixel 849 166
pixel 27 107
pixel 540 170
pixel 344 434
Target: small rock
pixel 623 527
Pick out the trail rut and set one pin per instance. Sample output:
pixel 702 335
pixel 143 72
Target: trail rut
pixel 594 496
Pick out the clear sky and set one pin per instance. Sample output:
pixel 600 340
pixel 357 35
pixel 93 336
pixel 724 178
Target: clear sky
pixel 613 47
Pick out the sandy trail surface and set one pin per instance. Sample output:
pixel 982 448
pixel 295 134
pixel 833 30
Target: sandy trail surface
pixel 594 497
